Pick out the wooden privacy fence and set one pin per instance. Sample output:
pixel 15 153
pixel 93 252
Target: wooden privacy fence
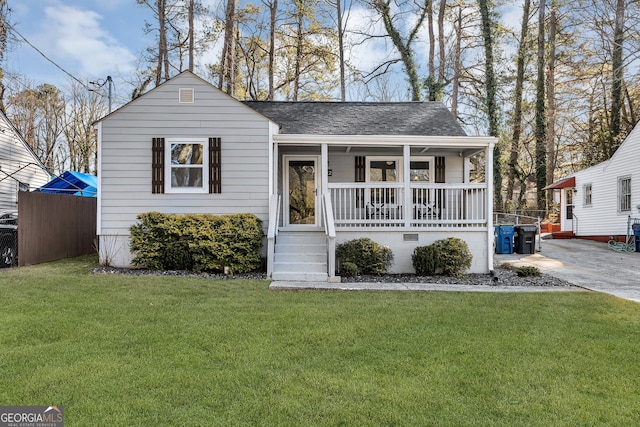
pixel 54 226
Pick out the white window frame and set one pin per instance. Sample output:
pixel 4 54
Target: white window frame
pixel 588 194
pixel 204 188
pixel 624 199
pixel 398 161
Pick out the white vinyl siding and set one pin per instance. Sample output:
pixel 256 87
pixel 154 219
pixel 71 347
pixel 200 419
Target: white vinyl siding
pixel 18 164
pixel 604 216
pixel 125 153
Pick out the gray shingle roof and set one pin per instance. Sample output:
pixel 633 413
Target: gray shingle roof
pixel 360 118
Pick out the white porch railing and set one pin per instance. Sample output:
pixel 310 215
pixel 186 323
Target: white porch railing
pixel 329 228
pixel 390 205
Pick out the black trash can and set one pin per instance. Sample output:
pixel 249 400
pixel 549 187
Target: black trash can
pixel 525 239
pixel 636 236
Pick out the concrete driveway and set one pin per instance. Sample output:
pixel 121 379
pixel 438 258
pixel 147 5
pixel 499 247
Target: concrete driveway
pixel 586 263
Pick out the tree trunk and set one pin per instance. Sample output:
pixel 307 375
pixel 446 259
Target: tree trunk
pixel 191 13
pixel 551 102
pixel 343 89
pixel 441 41
pixel 431 78
pixel 490 99
pixel 404 47
pixel 298 58
pixel 541 128
pixel 4 12
pixel 273 9
pixel 456 64
pixel 618 72
pixel 517 110
pixel 226 62
pixel 162 39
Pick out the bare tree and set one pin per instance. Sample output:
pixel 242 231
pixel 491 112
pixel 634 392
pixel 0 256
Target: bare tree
pixel 227 60
pixel 403 44
pixel 38 115
pixel 516 124
pixel 618 75
pixel 490 98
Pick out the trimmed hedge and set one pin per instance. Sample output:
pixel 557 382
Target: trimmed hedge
pixel 197 242
pixel 447 257
pixel 364 256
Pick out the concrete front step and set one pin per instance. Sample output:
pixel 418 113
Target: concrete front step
pixel 299 277
pixel 280 257
pixel 306 238
pixel 301 267
pixel 300 256
pixel 300 248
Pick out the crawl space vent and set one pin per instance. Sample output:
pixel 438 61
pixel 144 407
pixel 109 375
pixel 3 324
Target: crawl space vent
pixel 186 96
pixel 413 237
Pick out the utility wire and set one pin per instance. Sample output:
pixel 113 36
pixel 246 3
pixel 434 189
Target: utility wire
pixel 12 28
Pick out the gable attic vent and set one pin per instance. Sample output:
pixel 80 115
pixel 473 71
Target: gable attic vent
pixel 185 96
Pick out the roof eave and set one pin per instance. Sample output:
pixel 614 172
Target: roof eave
pixel 387 140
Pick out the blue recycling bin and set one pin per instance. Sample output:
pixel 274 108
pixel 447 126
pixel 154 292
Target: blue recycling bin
pixel 636 236
pixel 504 239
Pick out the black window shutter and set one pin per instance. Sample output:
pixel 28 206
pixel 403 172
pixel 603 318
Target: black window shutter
pixel 439 172
pixel 157 166
pixel 215 165
pixel 360 169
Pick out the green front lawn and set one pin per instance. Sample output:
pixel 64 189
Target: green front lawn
pixel 164 351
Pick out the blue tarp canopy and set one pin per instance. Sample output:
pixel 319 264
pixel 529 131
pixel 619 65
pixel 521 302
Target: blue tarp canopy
pixel 71 182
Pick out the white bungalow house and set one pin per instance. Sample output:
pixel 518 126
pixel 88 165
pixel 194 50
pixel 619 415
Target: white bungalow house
pixel 316 173
pixel 597 202
pixel 20 167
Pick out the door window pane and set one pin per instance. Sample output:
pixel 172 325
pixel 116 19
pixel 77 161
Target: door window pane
pixel 419 172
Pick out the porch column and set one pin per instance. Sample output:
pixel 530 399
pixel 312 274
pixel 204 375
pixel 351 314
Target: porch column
pixel 489 182
pixel 466 170
pixel 408 197
pixel 324 168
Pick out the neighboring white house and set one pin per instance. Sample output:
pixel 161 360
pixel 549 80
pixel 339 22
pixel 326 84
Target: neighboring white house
pixel 316 173
pixel 20 168
pixel 597 202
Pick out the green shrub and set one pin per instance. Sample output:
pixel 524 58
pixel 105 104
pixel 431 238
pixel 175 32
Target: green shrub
pixel 368 256
pixel 197 242
pixel 447 257
pixel 349 269
pixel 528 271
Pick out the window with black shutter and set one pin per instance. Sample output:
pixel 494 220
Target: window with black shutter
pixel 186 165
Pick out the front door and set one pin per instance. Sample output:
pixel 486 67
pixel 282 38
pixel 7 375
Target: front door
pixel 301 185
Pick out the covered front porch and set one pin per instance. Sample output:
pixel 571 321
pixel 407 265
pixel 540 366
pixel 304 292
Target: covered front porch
pixel 395 188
